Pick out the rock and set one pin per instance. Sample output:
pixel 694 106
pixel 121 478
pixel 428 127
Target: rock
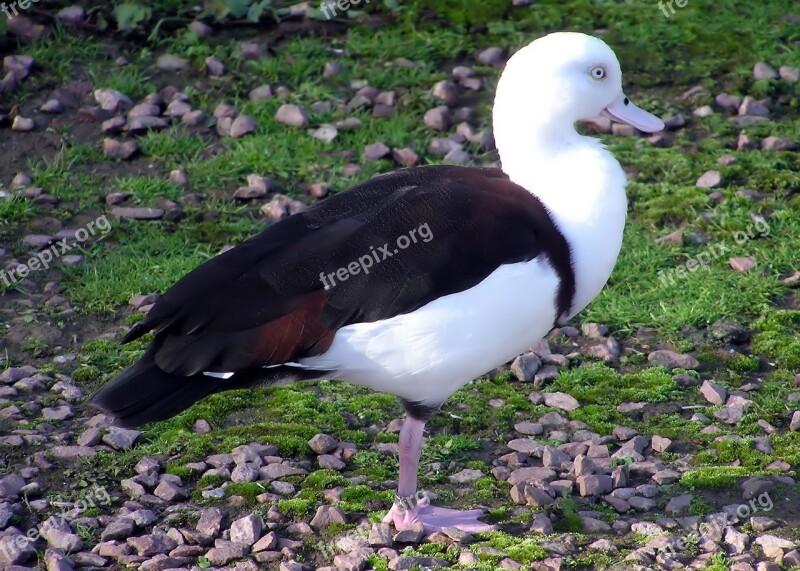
pixel 446 91
pixel 380 535
pixel 52 106
pixel 437 118
pixel 531 475
pixel 679 504
pixel 673 239
pixel 323 444
pixel 754 487
pixel 173 63
pixel 791 74
pixel 412 534
pixel 137 213
pixel 660 443
pixel 526 366
pixel 777 144
pixel 15 548
pixel 246 530
pixel 710 179
pixel 332 69
pixel 327 515
pixel 794 423
pixel 729 331
pixel 23 124
pixel 293 115
pixel 121 528
pixel 210 522
pixel 728 102
pixel 541 524
pixel 170 492
pixel 243 125
pixel 114 149
pixel 59 535
pixel 121 438
pixel 57 413
pixel 252 51
pixel 225 553
pixel 666 477
pixel 752 107
pixel 594 485
pixel 767 542
pixel 742 264
pixel 375 151
pixel 328 133
pixel 405 157
pixel 466 476
pixel 214 67
pixel 529 428
pixel 244 473
pixel 762 71
pixel 490 56
pixel 713 393
pixel 112 100
pixel 594 525
pixel 561 401
pixel 672 360
pixel 71 453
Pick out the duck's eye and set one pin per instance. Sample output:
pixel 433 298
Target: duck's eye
pixel 598 72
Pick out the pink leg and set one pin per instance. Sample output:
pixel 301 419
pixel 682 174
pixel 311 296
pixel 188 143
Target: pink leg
pixel 432 518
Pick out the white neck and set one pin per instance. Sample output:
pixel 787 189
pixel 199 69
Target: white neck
pixel 581 184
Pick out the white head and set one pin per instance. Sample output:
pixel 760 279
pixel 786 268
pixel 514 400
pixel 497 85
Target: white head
pixel 557 80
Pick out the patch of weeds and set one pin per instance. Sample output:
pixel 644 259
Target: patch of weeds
pixel 356 498
pixel 699 506
pixel 248 490
pixel 322 479
pixel 210 481
pixel 447 448
pixel 295 507
pixel 715 477
pixel 569 521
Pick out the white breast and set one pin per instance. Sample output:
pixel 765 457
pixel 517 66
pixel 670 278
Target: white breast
pixel 426 355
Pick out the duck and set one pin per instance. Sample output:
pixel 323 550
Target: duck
pixel 415 282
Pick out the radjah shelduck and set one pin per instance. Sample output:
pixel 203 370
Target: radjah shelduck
pixel 469 268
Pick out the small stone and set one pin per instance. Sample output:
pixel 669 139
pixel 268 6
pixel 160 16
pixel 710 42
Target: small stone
pixel 753 487
pixel 728 102
pixel 594 485
pixel 214 67
pixel 710 179
pixel 413 534
pixel 327 133
pixel 752 107
pixel 437 118
pixel 660 443
pixel 243 125
pixel 777 144
pixel 332 69
pixel 173 63
pixel 742 264
pixel 168 491
pixel 672 360
pixel 114 149
pixel 561 401
pixel 252 51
pixel 292 115
pixel 446 91
pixel 327 515
pixel 121 438
pixel 112 100
pixel 541 524
pixel 375 151
pixel 466 476
pixel 246 530
pixel 764 71
pixel 57 413
pixel 405 157
pixel 490 56
pixel 713 393
pixel 679 504
pixel 794 423
pixel 526 366
pixel 53 107
pixel 790 74
pixel 137 213
pixel 23 124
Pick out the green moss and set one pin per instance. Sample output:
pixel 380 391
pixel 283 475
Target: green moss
pixel 322 479
pixel 295 507
pixel 715 476
pixel 178 470
pixel 248 490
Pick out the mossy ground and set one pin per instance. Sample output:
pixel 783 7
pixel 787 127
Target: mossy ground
pixel 706 43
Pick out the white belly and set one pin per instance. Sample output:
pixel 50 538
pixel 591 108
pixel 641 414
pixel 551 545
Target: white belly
pixel 426 355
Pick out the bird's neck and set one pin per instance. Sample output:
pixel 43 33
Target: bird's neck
pixel 582 186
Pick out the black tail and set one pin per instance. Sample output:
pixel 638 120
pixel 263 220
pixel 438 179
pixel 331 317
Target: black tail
pixel 144 393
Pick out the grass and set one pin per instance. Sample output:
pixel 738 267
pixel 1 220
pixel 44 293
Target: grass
pixel 710 44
